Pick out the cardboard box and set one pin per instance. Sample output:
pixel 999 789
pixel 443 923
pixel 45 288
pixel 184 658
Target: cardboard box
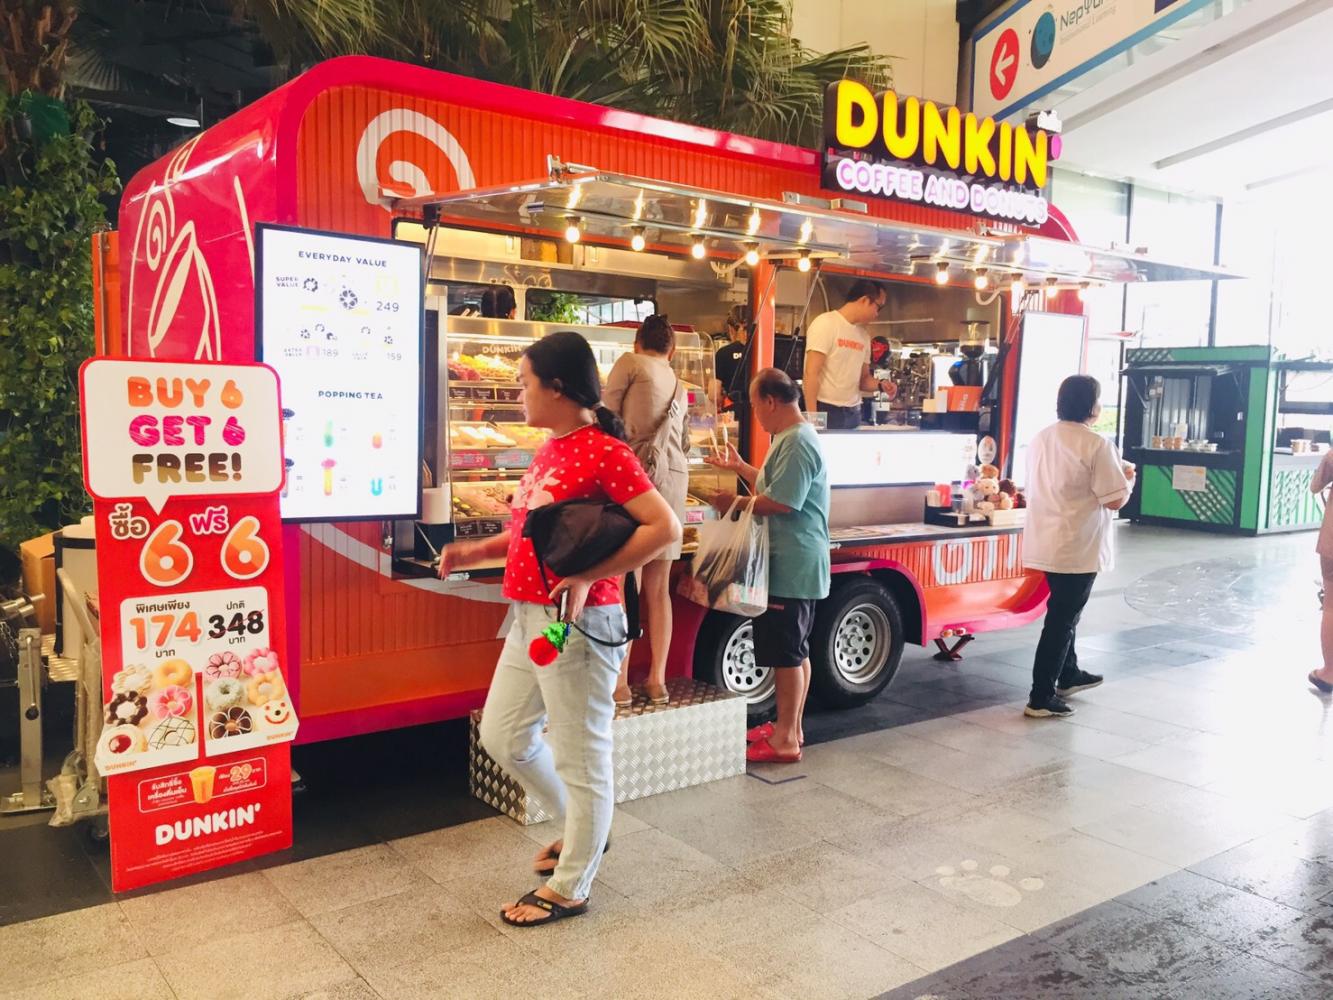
pixel 38 556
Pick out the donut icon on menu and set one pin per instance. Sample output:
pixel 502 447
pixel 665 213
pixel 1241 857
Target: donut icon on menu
pixel 310 284
pixel 347 298
pixel 305 333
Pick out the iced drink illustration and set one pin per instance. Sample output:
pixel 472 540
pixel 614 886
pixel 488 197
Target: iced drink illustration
pixel 201 780
pixel 327 465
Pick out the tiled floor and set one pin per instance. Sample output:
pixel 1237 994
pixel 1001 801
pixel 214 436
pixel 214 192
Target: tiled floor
pixel 1172 839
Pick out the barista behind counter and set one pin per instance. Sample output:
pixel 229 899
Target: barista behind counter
pixel 837 358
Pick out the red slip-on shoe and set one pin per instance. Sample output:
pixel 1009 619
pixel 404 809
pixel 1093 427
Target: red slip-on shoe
pixel 763 731
pixel 762 752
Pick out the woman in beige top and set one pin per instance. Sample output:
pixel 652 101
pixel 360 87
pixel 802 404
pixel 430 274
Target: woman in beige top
pixel 1322 679
pixel 644 391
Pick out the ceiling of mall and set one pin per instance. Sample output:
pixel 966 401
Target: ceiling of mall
pixel 1242 106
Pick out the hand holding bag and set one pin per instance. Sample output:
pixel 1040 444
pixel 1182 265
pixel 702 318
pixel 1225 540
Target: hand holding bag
pixel 730 567
pixel 573 536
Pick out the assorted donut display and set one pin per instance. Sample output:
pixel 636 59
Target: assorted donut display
pixel 159 707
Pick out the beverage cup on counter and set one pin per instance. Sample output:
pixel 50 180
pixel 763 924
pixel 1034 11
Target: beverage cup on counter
pixel 435 505
pixel 1157 441
pixel 201 782
pixel 1300 446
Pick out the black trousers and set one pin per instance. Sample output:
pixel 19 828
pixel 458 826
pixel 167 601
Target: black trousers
pixel 1056 660
pixel 841 418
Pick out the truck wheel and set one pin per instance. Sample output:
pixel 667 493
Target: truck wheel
pixel 857 643
pixel 724 657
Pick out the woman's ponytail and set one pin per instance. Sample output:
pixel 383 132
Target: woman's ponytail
pixel 610 423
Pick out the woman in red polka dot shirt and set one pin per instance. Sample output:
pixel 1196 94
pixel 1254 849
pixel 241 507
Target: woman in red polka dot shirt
pixel 568 768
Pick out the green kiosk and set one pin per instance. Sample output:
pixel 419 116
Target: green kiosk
pixel 1226 438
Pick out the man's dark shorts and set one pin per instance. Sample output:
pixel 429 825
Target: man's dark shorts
pixel 782 633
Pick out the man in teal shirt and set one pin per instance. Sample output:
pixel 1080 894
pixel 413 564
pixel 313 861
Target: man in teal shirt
pixel 791 491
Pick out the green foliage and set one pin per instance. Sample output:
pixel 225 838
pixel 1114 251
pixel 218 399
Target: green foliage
pixel 725 64
pixel 49 208
pixel 554 307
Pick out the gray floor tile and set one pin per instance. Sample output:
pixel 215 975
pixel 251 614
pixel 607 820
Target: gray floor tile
pixel 923 927
pixel 1304 946
pixel 223 907
pixel 68 944
pixel 1218 911
pixel 458 850
pixel 405 928
pixel 1246 977
pixel 1293 881
pixel 289 960
pixel 345 879
pixel 822 877
pixel 141 980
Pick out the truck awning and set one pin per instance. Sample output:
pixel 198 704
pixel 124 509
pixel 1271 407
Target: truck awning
pixel 612 209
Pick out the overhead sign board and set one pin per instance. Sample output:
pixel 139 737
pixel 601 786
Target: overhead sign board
pixel 1036 46
pixel 907 149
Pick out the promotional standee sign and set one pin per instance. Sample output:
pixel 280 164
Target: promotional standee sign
pixel 184 462
pixel 906 149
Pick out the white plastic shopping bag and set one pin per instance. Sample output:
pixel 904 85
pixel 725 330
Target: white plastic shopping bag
pixel 730 568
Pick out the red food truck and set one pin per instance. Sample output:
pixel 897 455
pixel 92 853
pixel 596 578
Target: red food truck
pixel 593 217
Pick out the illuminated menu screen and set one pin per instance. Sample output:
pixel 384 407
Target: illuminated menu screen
pixel 896 458
pixel 340 319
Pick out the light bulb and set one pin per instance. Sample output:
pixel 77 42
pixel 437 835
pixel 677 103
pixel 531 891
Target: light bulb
pixel 574 231
pixel 1083 291
pixel 941 273
pixel 803 262
pixel 637 242
pixel 1051 290
pixel 1017 286
pixel 698 250
pixel 752 254
pixel 982 281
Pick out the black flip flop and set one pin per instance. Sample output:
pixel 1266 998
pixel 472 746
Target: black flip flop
pixel 556 911
pixel 554 858
pixel 1324 686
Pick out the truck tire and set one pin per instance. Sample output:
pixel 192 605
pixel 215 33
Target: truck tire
pixel 857 643
pixel 724 657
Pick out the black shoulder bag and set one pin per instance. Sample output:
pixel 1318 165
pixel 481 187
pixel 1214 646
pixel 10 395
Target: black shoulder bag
pixel 574 536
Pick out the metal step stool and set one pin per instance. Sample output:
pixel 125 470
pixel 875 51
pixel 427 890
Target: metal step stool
pixel 697 738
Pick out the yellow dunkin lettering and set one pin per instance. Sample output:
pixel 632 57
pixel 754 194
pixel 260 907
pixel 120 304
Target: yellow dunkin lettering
pixel 977 136
pixel 913 130
pixel 855 100
pixel 902 140
pixel 941 134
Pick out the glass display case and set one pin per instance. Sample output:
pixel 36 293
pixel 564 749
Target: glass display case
pixel 478 445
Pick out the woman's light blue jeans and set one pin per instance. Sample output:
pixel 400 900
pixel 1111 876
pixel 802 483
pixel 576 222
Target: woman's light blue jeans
pixel 568 767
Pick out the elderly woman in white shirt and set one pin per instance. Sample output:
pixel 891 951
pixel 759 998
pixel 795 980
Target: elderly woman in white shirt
pixel 1075 481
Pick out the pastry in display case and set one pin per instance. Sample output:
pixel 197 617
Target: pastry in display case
pixel 482 445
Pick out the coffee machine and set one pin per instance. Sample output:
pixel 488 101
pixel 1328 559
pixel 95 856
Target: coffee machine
pixel 971 368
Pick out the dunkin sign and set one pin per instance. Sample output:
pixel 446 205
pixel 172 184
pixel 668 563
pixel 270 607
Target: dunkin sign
pixel 906 149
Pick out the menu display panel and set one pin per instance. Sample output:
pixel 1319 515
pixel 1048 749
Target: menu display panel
pixel 340 319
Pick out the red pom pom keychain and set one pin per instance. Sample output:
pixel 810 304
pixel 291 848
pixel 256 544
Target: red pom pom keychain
pixel 544 649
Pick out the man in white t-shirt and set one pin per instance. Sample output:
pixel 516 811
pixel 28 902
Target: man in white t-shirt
pixel 1075 481
pixel 837 358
